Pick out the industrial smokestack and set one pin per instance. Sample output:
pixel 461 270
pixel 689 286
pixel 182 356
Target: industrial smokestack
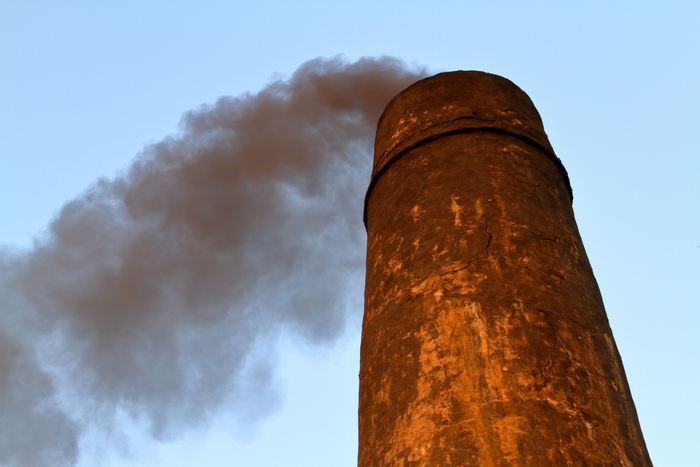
pixel 485 340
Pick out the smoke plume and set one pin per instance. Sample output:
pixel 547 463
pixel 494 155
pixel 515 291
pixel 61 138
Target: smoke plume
pixel 150 293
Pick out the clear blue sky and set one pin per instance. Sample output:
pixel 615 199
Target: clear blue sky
pixel 85 85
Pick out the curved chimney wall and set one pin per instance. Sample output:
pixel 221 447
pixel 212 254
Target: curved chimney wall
pixel 485 341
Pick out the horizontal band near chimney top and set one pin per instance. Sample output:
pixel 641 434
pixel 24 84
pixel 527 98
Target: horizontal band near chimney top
pixel 456 102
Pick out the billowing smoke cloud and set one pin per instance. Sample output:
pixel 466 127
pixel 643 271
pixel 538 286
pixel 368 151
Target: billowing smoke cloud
pixel 151 292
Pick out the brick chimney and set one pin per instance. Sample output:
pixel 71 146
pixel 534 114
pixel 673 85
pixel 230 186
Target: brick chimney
pixel 485 341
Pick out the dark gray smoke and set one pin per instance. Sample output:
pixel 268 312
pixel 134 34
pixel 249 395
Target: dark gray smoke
pixel 151 292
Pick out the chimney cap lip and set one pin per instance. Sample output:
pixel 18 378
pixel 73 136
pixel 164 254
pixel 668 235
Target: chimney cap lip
pixel 456 99
pixel 453 102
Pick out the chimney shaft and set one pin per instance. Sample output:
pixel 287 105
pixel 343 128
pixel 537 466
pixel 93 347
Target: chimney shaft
pixel 485 341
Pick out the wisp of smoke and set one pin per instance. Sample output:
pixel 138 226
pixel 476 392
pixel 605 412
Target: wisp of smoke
pixel 149 292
